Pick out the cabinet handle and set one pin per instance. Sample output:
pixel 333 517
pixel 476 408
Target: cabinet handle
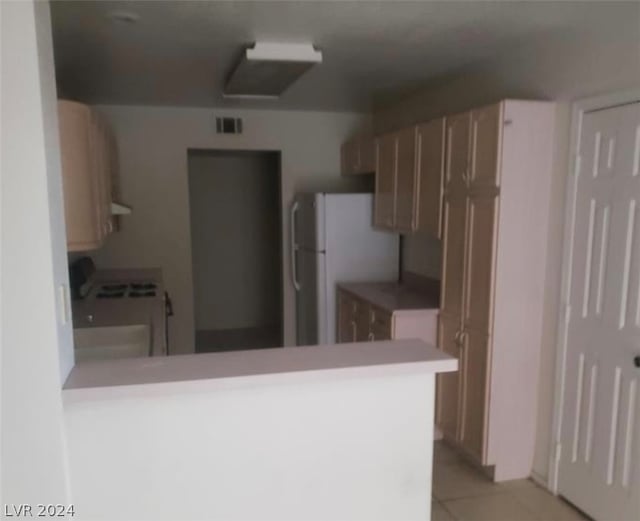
pixel 371 337
pixel 353 330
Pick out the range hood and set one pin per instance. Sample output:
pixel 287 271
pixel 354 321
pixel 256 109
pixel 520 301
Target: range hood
pixel 267 69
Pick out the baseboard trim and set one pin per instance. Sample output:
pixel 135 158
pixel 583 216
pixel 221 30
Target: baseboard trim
pixel 540 480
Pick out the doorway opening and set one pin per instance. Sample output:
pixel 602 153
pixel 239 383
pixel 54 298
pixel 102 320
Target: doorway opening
pixel 236 249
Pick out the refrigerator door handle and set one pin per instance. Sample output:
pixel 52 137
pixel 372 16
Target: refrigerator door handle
pixel 294 246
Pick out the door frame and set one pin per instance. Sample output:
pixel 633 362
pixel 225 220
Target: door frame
pixel 282 211
pixel 578 109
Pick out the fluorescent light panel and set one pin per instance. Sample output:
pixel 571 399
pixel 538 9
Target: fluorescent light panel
pixel 269 68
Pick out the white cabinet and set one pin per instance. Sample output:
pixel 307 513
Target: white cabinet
pixel 88 157
pixel 496 197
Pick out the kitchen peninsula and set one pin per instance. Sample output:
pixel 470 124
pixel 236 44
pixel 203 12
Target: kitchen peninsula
pixel 316 432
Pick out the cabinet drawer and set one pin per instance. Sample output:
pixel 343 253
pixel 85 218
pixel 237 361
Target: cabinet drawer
pixel 379 332
pixel 379 318
pixel 380 323
pixel 351 304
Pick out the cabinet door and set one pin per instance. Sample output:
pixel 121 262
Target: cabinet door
pixel 380 324
pixel 81 188
pixel 367 154
pixel 102 170
pixel 486 125
pixel 474 409
pixel 346 318
pixel 453 253
pixel 384 208
pixel 114 177
pixel 458 143
pixel 480 260
pixel 362 328
pixel 406 185
pixel 448 384
pixel 430 176
pixel 360 323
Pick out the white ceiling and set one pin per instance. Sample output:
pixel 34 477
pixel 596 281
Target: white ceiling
pixel 181 52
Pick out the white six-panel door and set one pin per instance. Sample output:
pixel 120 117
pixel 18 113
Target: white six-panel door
pixel 599 467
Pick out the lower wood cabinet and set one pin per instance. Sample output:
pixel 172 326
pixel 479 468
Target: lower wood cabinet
pixel 474 411
pixel 462 406
pixel 448 385
pixel 361 321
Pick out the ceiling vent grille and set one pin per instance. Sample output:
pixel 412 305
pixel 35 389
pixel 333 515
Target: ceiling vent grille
pixel 229 125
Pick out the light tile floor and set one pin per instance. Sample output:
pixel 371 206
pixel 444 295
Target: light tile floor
pixel 462 493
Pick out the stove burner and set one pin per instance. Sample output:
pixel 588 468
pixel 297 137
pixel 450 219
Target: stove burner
pixel 143 285
pixel 111 294
pixel 114 287
pixel 136 294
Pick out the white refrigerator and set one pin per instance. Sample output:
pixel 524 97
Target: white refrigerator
pixel 332 241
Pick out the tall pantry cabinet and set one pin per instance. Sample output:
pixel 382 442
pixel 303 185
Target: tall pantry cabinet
pixel 495 224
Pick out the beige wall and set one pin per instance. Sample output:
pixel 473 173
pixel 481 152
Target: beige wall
pixel 235 239
pixel 551 70
pixel 153 144
pixel 36 347
pixel 422 254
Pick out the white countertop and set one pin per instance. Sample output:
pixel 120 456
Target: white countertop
pixel 412 355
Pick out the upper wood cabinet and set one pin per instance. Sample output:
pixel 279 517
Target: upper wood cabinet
pixel 409 170
pixel 496 199
pixel 406 192
pixel 485 146
pixel 88 157
pixel 430 161
pixel 458 138
pixel 357 155
pixel 384 211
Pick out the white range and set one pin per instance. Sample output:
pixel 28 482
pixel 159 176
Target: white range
pixel 123 314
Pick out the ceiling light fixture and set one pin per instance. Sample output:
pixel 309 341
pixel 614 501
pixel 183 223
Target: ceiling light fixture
pixel 124 16
pixel 268 69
